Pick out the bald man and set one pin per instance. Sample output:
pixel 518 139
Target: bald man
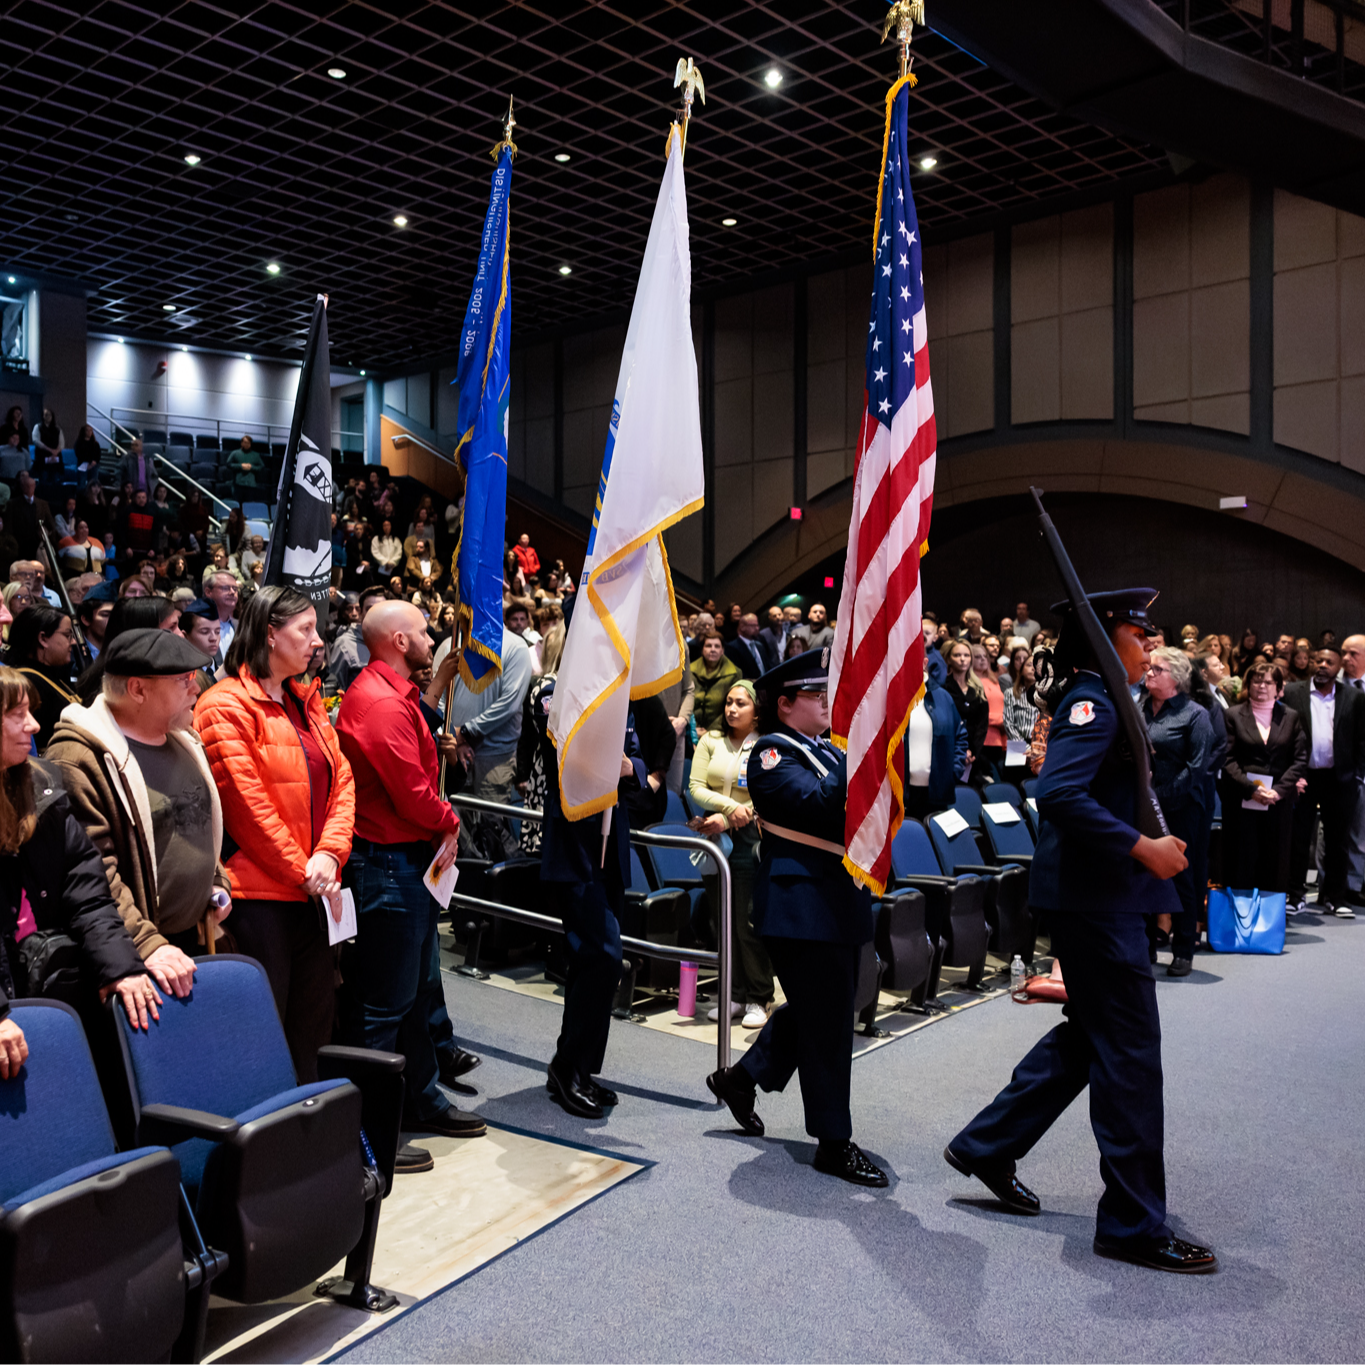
pixel 392 989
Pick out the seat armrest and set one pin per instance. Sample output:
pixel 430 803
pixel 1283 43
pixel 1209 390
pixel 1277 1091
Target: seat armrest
pixel 924 880
pixel 356 1064
pixel 162 1125
pixel 1023 860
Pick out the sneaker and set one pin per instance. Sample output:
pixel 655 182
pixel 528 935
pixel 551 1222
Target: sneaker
pixel 755 1016
pixel 1345 911
pixel 713 1014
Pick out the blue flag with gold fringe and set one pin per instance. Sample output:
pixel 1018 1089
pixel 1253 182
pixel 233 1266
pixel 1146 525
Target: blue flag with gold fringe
pixel 483 381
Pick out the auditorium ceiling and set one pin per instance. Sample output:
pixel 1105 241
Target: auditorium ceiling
pixel 306 171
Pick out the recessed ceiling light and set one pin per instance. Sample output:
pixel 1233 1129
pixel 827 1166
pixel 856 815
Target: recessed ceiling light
pixel 119 340
pixel 362 374
pixel 247 357
pixel 272 269
pixel 561 156
pixel 12 280
pixel 337 73
pixel 191 159
pixel 773 79
pixel 168 308
pixel 184 348
pixel 928 162
pixel 400 220
pixel 728 222
pixel 566 270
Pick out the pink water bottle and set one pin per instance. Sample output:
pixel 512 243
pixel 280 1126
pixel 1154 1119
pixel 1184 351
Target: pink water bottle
pixel 687 989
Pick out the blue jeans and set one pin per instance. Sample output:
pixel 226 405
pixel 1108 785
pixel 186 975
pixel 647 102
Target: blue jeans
pixel 388 998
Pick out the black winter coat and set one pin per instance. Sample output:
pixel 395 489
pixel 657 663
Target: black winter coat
pixel 63 874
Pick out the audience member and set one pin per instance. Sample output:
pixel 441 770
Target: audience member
pixel 992 751
pixel 138 469
pixel 1333 717
pixel 40 643
pixel 1182 759
pixel 220 588
pixel 15 458
pixel 349 654
pixel 703 624
pixel 935 753
pixel 964 687
pixel 527 558
pixel 1265 765
pixel 749 651
pixel 52 878
pixel 15 428
pixel 935 670
pixel 138 781
pixel 29 517
pixel 719 785
pixel 65 520
pixel 79 552
pixel 129 613
pixel 713 676
pixel 531 776
pixel 254 553
pixel 1023 625
pixel 289 808
pixel 817 632
pixel 245 462
pixel 201 627
pixel 136 529
pixel 392 993
pixel 386 550
pixel 88 450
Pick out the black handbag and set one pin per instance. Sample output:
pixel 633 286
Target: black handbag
pixel 49 966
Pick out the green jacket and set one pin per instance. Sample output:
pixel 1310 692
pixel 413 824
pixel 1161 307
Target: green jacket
pixel 712 685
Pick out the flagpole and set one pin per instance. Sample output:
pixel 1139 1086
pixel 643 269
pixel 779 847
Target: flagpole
pixel 687 75
pixel 903 16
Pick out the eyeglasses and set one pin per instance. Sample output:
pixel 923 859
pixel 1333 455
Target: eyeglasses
pixel 1157 668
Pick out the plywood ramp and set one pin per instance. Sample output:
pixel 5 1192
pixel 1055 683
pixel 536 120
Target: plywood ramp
pixel 484 1197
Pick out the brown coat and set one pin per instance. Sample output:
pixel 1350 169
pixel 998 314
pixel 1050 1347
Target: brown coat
pixel 109 797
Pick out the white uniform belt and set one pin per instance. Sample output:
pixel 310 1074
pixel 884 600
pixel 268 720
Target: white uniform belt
pixel 826 845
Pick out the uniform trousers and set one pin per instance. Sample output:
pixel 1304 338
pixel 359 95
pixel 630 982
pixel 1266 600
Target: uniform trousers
pixel 1110 1040
pixel 593 933
pixel 812 1034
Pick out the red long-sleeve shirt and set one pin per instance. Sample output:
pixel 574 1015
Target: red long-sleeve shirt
pixel 393 757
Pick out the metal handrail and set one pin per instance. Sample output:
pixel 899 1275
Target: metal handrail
pixel 720 959
pixel 248 426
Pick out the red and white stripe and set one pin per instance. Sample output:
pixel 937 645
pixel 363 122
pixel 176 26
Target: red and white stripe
pixel 877 665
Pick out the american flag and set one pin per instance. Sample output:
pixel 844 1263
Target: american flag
pixel 877 669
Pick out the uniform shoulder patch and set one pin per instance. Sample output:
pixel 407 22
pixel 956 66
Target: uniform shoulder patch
pixel 1082 713
pixel 769 758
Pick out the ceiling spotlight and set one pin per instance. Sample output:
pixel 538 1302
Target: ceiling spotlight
pixel 168 308
pixel 728 222
pixel 561 156
pixel 12 279
pixel 773 79
pixel 400 221
pixel 566 270
pixel 362 374
pixel 120 341
pixel 246 357
pixel 272 269
pixel 928 163
pixel 337 73
pixel 185 348
pixel 191 159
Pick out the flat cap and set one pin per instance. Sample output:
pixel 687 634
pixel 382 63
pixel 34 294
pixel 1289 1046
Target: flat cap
pixel 152 653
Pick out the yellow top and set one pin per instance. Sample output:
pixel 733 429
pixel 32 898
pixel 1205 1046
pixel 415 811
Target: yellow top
pixel 717 769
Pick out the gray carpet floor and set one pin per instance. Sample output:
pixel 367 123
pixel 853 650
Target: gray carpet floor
pixel 733 1248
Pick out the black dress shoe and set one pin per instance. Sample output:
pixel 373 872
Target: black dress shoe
pixel 455 1063
pixel 734 1087
pixel 846 1160
pixel 1160 1253
pixel 411 1159
pixel 599 1094
pixel 568 1093
pixel 1000 1181
pixel 1180 966
pixel 450 1122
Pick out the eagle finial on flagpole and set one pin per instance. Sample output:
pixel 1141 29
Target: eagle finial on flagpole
pixel 903 16
pixel 688 75
pixel 508 124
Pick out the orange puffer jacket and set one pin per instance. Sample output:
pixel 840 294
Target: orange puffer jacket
pixel 258 764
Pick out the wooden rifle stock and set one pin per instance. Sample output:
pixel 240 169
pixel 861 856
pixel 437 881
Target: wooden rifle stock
pixel 1150 820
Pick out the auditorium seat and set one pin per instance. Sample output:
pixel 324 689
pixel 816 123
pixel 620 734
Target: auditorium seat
pixel 1010 842
pixel 515 882
pixel 92 1265
pixel 207 443
pixel 203 473
pixel 256 511
pixel 967 804
pixel 1006 886
pixel 677 812
pixel 181 438
pixel 659 916
pixel 1030 813
pixel 866 989
pixel 902 938
pixel 956 903
pixel 1003 792
pixel 281 1176
pixel 181 456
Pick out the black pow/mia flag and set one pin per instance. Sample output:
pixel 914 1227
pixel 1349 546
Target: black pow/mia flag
pixel 300 552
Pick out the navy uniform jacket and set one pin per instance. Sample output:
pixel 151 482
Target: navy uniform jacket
pixel 1087 798
pixel 799 891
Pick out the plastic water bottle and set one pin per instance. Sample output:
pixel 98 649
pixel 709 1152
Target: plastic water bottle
pixel 1017 978
pixel 687 989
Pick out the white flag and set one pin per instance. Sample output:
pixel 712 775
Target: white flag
pixel 623 637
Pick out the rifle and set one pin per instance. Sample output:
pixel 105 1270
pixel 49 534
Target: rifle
pixel 1150 820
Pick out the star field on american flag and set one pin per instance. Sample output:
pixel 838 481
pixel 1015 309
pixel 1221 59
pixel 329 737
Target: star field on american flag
pixel 897 291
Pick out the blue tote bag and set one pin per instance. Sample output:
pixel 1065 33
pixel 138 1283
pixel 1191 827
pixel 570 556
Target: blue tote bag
pixel 1246 921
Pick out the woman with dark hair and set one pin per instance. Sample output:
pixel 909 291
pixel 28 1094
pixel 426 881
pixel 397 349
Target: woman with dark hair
pixel 175 575
pixel 1247 649
pixel 1301 661
pixel 129 613
pixel 40 643
pixel 719 785
pixel 992 751
pixel 714 676
pixel 13 425
pixel 234 535
pixel 288 809
pixel 1267 757
pixel 48 440
pixel 88 450
pixel 52 878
